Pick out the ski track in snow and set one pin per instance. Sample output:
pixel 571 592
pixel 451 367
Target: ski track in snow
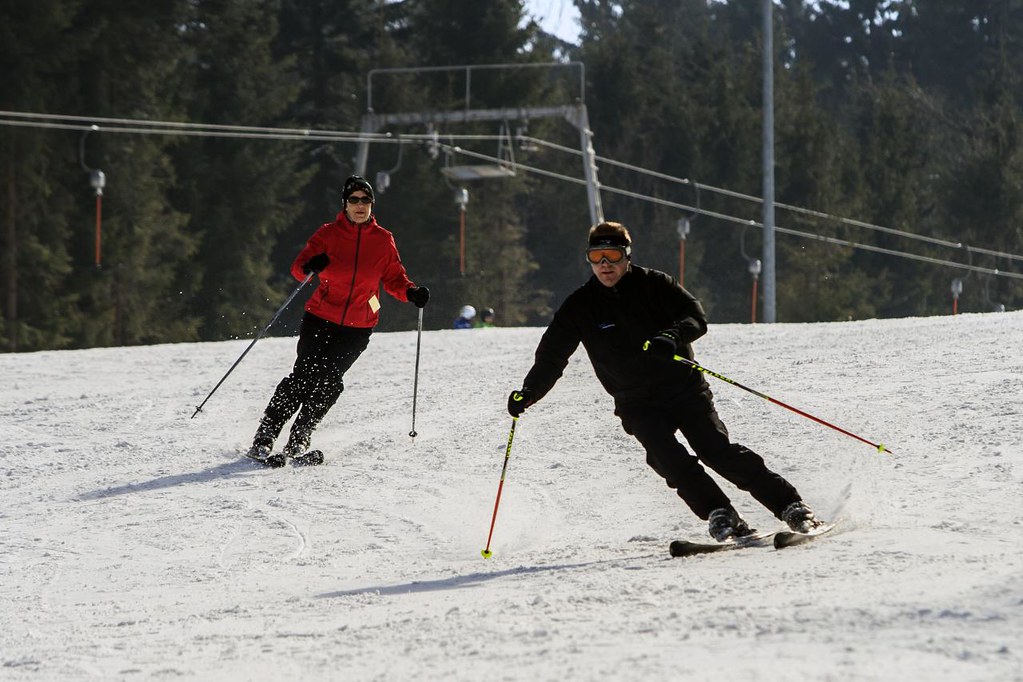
pixel 137 543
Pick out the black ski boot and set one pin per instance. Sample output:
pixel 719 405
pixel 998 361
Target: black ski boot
pixel 297 448
pixel 263 444
pixel 800 518
pixel 298 441
pixel 726 524
pixel 261 453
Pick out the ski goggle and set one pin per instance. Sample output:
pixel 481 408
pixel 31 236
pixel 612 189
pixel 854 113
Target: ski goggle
pixel 611 254
pixel 360 200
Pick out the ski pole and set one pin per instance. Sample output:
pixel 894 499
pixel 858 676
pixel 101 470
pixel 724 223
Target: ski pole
pixel 678 358
pixel 507 454
pixel 415 381
pixel 258 337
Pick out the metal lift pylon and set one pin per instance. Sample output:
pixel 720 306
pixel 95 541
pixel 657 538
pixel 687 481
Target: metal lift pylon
pixel 575 114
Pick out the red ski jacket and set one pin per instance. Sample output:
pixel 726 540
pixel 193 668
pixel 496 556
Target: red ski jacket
pixel 362 257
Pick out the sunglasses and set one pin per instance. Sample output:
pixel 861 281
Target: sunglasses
pixel 360 200
pixel 611 254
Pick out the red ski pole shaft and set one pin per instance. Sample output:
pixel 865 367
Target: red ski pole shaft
pixel 880 447
pixel 500 486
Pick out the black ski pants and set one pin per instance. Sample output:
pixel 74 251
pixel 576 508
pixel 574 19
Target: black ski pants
pixel 325 352
pixel 654 424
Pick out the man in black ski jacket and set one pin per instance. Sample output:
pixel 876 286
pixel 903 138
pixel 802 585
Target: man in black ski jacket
pixel 632 322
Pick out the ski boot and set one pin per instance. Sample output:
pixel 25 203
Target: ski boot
pixel 726 524
pixel 262 449
pixel 800 518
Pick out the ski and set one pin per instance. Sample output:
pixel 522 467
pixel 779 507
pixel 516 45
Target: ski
pixel 681 548
pixel 276 461
pixel 789 538
pixel 270 461
pixel 311 458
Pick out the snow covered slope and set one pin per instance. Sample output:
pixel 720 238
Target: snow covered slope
pixel 136 543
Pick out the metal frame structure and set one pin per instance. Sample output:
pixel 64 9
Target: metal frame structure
pixel 575 114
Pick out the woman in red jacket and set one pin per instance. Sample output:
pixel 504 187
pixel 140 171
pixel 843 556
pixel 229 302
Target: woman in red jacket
pixel 352 256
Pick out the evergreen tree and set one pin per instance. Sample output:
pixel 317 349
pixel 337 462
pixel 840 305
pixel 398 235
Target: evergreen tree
pixel 239 193
pixel 420 206
pixel 982 202
pixel 674 90
pixel 895 112
pixel 840 43
pixel 333 46
pixel 39 296
pixel 127 69
pixel 818 168
pixel 112 64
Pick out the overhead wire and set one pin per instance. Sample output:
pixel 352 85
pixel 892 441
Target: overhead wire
pixel 782 205
pixel 742 221
pixel 143 126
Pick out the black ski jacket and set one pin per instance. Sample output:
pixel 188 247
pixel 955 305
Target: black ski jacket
pixel 613 323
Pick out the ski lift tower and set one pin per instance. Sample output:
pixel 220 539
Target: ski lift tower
pixel 575 113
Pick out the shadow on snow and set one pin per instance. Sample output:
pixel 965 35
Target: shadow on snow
pixel 225 470
pixel 463 581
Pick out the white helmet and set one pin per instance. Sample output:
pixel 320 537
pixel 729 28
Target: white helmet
pixel 468 312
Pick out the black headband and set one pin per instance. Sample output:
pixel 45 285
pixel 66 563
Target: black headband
pixel 609 240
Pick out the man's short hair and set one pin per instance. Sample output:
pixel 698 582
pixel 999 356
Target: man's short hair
pixel 609 234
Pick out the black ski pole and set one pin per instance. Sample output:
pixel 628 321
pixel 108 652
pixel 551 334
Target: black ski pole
pixel 415 382
pixel 258 337
pixel 678 358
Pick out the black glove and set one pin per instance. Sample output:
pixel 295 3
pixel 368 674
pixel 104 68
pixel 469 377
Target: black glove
pixel 518 401
pixel 316 263
pixel 663 345
pixel 418 296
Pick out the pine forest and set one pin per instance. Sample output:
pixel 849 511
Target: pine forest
pixel 163 161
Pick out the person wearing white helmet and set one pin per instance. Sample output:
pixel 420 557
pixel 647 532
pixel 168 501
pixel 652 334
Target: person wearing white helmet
pixel 465 317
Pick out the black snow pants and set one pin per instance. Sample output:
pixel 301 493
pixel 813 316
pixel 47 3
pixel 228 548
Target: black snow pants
pixel 325 352
pixel 654 423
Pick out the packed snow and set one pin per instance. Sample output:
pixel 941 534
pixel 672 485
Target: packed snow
pixel 138 543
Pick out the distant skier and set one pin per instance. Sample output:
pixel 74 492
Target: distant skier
pixel 632 322
pixel 486 318
pixel 352 256
pixel 465 317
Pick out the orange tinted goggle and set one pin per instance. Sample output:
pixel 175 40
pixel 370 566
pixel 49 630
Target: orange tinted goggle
pixel 612 254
